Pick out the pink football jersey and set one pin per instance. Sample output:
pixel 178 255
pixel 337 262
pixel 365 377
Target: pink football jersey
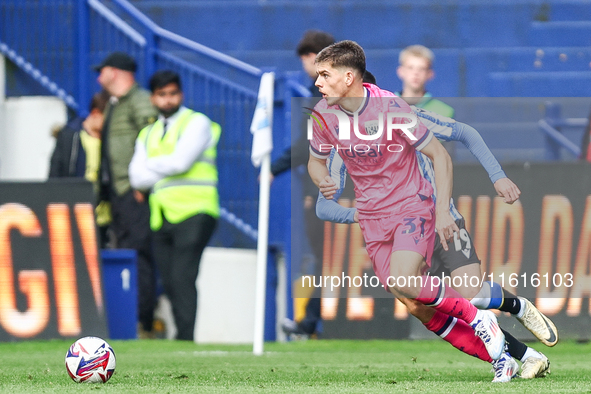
pixel 385 170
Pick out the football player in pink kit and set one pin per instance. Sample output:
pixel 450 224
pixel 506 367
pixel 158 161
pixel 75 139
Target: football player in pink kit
pixel 396 212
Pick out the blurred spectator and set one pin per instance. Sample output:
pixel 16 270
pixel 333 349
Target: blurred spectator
pixel 311 43
pixel 174 160
pixel 415 70
pixel 309 46
pixel 66 159
pixel 129 110
pixel 77 153
pixel 70 157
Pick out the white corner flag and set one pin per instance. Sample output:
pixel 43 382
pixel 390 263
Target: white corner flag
pixel 262 145
pixel 262 121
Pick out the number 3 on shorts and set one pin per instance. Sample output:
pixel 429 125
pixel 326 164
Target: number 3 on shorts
pixel 411 227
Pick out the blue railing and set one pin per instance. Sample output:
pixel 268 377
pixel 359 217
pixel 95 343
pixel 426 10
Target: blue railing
pixel 36 74
pixel 552 127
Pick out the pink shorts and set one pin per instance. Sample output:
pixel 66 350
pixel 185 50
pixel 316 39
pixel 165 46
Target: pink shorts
pixel 411 228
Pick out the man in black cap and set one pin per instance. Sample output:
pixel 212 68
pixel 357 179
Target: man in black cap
pixel 129 110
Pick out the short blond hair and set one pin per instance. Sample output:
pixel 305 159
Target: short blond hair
pixel 417 51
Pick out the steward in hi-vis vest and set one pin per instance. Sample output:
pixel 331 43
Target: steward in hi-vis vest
pixel 181 196
pixel 175 164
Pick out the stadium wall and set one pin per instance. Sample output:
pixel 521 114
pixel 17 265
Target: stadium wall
pixel 25 141
pixel 226 284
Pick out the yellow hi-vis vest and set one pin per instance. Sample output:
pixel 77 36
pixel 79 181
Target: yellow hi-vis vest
pixel 181 196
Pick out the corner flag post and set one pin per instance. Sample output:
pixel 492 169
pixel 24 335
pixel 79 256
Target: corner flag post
pixel 262 145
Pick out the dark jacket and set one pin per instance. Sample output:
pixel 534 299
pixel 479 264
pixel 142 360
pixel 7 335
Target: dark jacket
pixel 68 158
pixel 296 155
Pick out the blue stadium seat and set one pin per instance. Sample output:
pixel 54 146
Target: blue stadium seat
pixel 480 62
pixel 562 33
pixel 570 11
pixel 279 25
pixel 540 84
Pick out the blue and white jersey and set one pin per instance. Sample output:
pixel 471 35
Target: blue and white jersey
pixel 337 171
pixel 445 129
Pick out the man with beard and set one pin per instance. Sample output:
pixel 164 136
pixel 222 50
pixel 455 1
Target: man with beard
pixel 174 160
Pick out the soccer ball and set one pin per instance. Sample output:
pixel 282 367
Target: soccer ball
pixel 90 360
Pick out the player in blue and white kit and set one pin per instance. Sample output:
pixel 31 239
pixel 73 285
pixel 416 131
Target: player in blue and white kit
pixel 462 259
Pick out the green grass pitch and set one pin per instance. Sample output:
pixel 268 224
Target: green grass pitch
pixel 316 366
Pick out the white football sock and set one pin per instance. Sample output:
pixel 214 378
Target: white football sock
pixel 530 353
pixel 482 299
pixel 522 310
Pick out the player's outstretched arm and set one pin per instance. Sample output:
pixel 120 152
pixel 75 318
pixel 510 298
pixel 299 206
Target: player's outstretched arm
pixel 447 129
pixel 504 187
pixel 470 137
pixel 442 165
